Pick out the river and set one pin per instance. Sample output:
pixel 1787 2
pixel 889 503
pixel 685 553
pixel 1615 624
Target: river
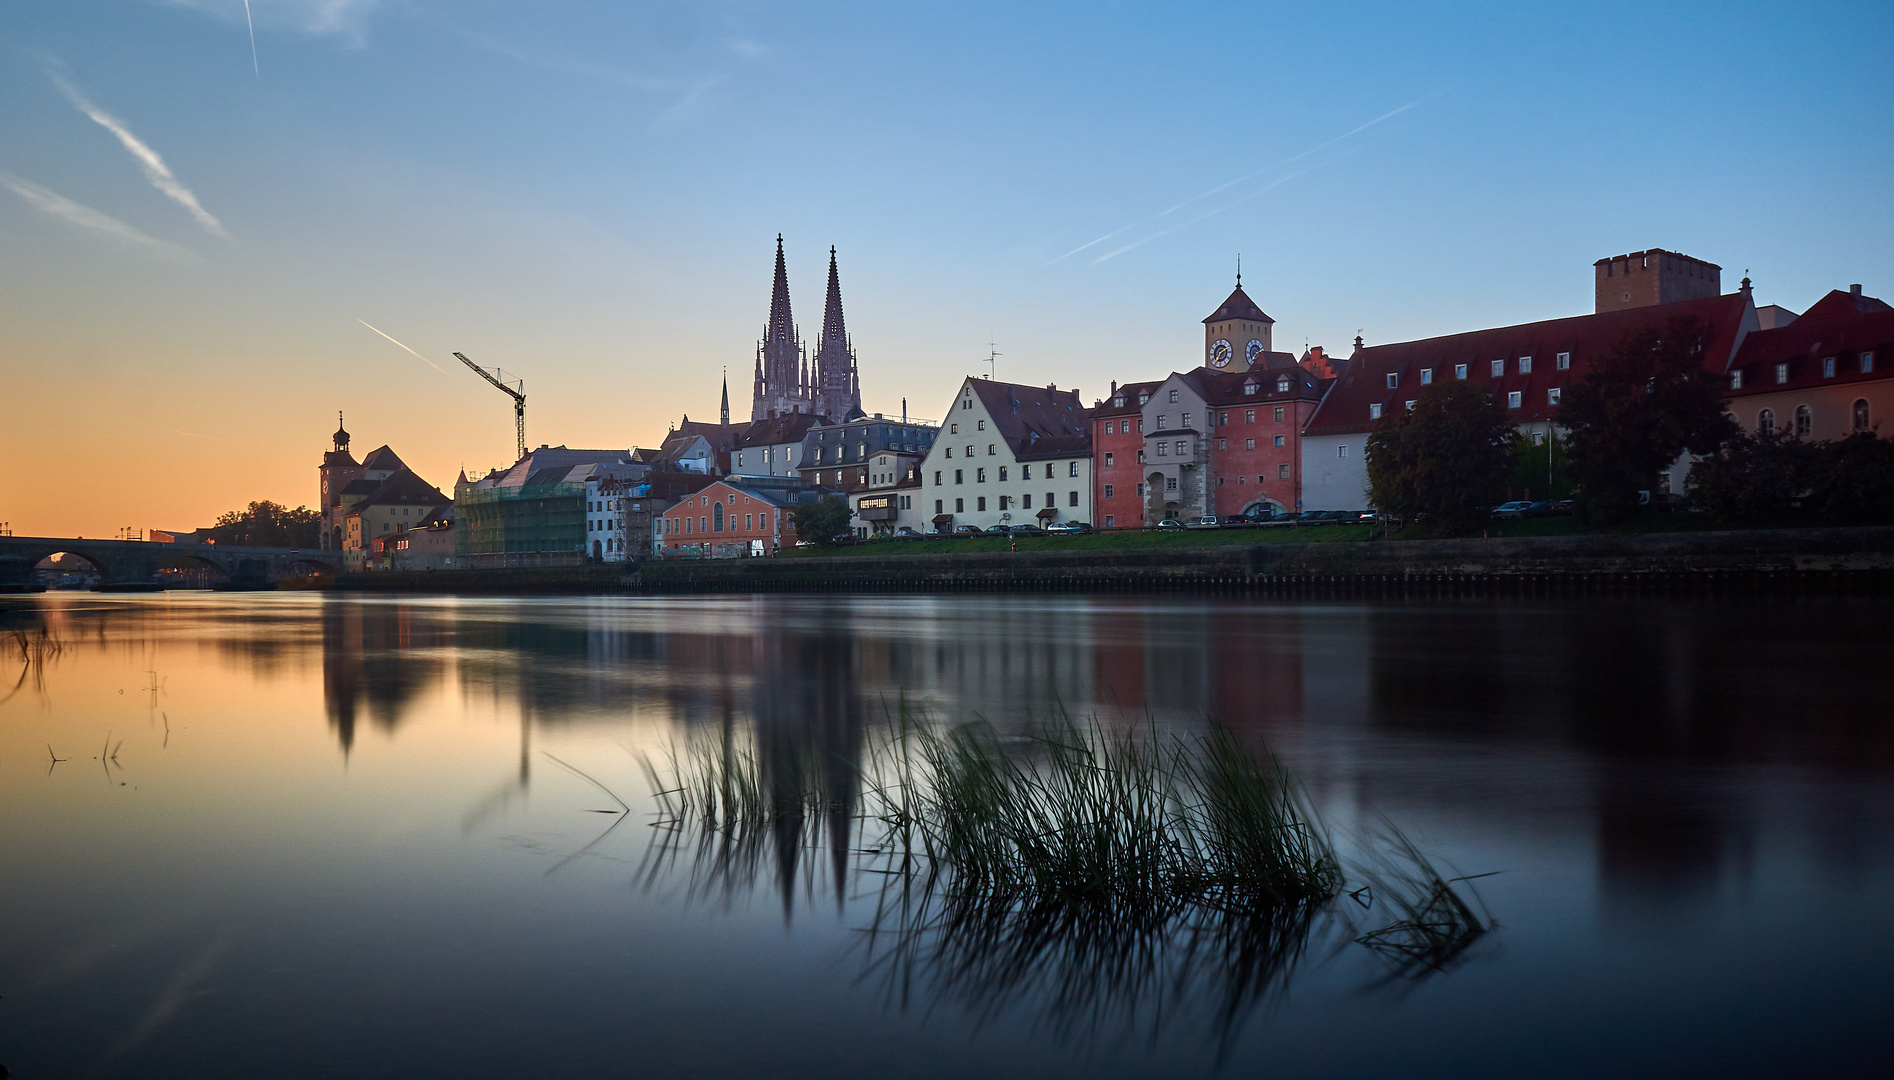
pixel 305 835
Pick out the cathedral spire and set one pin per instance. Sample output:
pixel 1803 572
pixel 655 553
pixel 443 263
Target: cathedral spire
pixel 726 397
pixel 833 328
pixel 782 325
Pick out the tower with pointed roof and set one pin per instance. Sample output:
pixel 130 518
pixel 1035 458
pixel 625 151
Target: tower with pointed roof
pixel 1236 335
pixel 837 390
pixel 338 470
pixel 782 376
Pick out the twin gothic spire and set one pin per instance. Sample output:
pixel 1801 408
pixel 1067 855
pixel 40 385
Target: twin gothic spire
pixel 785 381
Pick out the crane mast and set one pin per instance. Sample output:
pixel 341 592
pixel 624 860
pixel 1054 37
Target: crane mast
pixel 517 392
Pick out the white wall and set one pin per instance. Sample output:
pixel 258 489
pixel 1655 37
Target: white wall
pixel 1332 480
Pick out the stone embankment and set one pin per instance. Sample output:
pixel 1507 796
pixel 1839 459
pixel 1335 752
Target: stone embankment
pixel 1845 559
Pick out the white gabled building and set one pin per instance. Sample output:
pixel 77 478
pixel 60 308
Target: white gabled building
pixel 1008 454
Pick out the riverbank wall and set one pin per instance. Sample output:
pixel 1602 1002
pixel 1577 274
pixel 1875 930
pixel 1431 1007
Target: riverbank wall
pixel 1828 560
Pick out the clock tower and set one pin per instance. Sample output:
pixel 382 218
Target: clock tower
pixel 1236 335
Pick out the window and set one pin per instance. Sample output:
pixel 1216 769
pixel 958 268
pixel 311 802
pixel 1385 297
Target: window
pixel 1278 440
pixel 1803 422
pixel 936 477
pixel 959 476
pixel 1867 362
pixel 1002 473
pixel 981 425
pixel 1499 368
pixel 1427 376
pixel 1118 402
pixel 1250 388
pixel 1142 398
pixel 1861 413
pixel 1552 397
pixel 1766 422
pixel 960 506
pixel 1108 490
pixel 1782 374
pixel 937 506
pixel 1223 444
pixel 1736 379
pixel 1563 361
pixel 1163 450
pixel 1006 502
pixel 1249 444
pixel 980 504
pixel 1342 450
pixel 1279 414
pixel 966 403
pixel 1071 499
pixel 1525 365
pixel 1408 404
pixel 953 429
pixel 989 449
pixel 1828 367
pixel 1374 411
pixel 1513 398
pixel 1186 420
pixel 1223 419
pixel 1108 520
pixel 1173 397
pixel 1140 491
pixel 950 451
pixel 969 451
pixel 749 522
pixel 1071 469
pixel 1394 380
pixel 1249 416
pixel 1180 448
pixel 1282 473
pixel 1109 458
pixel 1161 424
pixel 1282 384
pixel 1170 483
pixel 979 476
pixel 1459 371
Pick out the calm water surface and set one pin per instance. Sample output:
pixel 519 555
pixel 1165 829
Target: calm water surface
pixel 302 835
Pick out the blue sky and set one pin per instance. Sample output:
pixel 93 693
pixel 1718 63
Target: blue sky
pixel 587 194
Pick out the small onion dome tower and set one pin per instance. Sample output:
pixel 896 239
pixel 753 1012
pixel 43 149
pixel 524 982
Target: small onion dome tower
pixel 341 433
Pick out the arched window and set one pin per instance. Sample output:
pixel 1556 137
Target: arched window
pixel 1766 422
pixel 1803 424
pixel 716 516
pixel 1861 415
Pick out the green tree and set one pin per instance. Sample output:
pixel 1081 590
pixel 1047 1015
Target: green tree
pixel 269 524
pixel 1447 459
pixel 1752 477
pixel 1539 471
pixel 1636 410
pixel 1854 481
pixel 822 520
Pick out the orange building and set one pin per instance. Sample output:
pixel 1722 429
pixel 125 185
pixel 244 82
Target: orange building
pixel 1824 375
pixel 727 520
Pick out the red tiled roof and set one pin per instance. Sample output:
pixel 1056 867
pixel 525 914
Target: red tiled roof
pixel 1345 409
pixel 1844 303
pixel 1033 419
pixel 1842 331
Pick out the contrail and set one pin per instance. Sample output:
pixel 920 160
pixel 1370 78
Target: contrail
pixel 423 359
pixel 252 22
pixel 1228 184
pixel 1261 191
pixel 155 169
pixel 59 206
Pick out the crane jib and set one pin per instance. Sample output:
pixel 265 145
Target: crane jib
pixel 518 394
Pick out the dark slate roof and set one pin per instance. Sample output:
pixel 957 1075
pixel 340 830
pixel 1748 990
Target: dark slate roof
pixel 383 458
pixel 361 485
pixel 782 429
pixel 1345 408
pixel 1844 333
pixel 403 488
pixel 1130 392
pixel 1238 306
pixel 555 474
pixel 721 437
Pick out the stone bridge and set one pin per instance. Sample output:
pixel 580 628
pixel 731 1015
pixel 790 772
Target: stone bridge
pixel 133 565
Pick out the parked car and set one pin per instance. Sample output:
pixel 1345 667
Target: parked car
pixel 1168 524
pixel 1202 523
pixel 1028 529
pixel 1325 517
pixel 968 530
pixel 1539 509
pixel 1241 521
pixel 1514 509
pixel 905 533
pixel 1068 528
pixel 1563 508
pixel 845 540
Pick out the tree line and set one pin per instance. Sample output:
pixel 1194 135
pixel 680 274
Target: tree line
pixel 1447 461
pixel 268 524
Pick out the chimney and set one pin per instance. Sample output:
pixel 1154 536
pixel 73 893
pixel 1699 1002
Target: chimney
pixel 1855 290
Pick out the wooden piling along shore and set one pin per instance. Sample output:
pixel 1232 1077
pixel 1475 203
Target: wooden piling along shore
pixel 1839 561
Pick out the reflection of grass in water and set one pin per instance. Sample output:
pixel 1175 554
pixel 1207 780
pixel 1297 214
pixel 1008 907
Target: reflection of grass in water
pixel 34 651
pixel 1117 880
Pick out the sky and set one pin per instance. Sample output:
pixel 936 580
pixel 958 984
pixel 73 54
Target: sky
pixel 210 214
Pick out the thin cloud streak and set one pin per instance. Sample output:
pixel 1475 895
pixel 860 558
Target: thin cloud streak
pixel 155 170
pixel 417 355
pixel 1258 193
pixel 252 24
pixel 1228 184
pixel 73 213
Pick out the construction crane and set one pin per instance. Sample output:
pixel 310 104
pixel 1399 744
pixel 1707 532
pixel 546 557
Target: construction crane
pixel 517 392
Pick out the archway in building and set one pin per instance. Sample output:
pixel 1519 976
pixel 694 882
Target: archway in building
pixel 598 550
pixel 1264 508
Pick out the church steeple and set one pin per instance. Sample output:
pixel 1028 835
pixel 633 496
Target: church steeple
pixel 832 323
pixel 835 386
pixel 782 324
pixel 781 381
pixel 726 399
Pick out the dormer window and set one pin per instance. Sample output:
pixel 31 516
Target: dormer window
pixel 1782 374
pixel 1250 388
pixel 1282 385
pixel 1736 379
pixel 1142 398
pixel 1118 403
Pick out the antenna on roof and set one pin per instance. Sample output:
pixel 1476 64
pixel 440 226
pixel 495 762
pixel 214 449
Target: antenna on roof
pixel 992 357
pixel 1239 269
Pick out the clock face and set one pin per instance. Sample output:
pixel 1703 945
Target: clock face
pixel 1220 354
pixel 1255 348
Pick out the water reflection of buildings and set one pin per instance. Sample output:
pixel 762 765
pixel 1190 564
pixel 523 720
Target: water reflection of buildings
pixel 376 659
